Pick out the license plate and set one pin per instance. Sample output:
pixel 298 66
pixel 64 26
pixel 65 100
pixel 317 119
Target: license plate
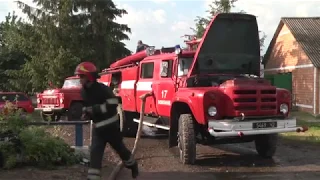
pixel 261 125
pixel 47 109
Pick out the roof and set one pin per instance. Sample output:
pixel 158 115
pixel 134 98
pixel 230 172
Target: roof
pixel 306 31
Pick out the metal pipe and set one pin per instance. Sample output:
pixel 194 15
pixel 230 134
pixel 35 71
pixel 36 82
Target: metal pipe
pixel 152 125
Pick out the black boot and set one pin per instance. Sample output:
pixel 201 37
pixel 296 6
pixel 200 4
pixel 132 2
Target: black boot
pixel 134 170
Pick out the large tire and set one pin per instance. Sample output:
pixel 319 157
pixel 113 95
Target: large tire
pixel 49 117
pixel 187 139
pixel 127 126
pixel 266 145
pixel 75 111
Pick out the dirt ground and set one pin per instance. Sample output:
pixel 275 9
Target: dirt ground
pixel 222 162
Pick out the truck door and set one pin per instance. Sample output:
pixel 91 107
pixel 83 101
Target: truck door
pixel 127 88
pixel 144 85
pixel 164 88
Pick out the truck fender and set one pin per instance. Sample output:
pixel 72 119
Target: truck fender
pixel 74 100
pixel 179 106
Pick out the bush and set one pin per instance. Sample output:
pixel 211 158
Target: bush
pixel 21 144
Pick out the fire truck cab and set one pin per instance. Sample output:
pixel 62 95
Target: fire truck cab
pixel 56 102
pixel 210 94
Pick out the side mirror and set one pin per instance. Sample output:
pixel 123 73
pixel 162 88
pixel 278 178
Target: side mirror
pixel 164 68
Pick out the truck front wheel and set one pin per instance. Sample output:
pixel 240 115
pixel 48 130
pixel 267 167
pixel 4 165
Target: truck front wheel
pixel 266 145
pixel 49 117
pixel 186 139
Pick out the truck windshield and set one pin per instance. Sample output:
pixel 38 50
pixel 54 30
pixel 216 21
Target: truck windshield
pixel 68 83
pixel 13 97
pixel 184 65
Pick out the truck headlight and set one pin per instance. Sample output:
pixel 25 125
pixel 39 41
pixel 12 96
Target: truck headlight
pixel 284 108
pixel 212 111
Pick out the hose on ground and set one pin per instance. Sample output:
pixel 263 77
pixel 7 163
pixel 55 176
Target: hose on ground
pixel 120 165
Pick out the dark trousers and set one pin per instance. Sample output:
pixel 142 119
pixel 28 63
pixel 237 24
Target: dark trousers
pixel 100 137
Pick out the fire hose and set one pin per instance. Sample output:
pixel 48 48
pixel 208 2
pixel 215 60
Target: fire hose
pixel 120 165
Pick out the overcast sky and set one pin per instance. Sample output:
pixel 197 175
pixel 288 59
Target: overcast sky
pixel 162 22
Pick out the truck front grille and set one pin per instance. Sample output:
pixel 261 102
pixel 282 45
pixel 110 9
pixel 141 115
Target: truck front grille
pixel 50 101
pixel 257 101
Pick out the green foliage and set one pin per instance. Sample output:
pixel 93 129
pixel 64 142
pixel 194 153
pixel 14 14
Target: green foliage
pixel 29 144
pixel 9 153
pixel 216 7
pixel 44 150
pixel 11 57
pixel 57 36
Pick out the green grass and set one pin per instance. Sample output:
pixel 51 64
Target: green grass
pixel 310 136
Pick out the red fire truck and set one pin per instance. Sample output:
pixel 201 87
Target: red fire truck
pixel 54 103
pixel 208 93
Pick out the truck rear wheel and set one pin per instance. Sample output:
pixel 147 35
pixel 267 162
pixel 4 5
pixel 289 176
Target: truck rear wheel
pixel 127 126
pixel 186 139
pixel 75 111
pixel 266 145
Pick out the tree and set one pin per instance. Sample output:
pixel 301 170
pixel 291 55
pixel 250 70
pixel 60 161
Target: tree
pixel 219 6
pixel 106 34
pixel 63 33
pixel 11 57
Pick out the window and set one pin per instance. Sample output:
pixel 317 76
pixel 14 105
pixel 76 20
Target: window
pixel 13 97
pixel 184 65
pixel 116 78
pixel 68 83
pixel 147 70
pixel 166 68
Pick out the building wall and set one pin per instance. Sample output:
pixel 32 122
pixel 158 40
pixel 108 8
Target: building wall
pixel 288 56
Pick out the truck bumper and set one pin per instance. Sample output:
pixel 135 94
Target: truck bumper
pixel 232 128
pixel 49 109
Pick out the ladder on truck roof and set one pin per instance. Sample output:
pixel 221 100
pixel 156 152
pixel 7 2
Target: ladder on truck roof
pixel 192 41
pixel 134 59
pixel 167 49
pixel 131 60
pixel 110 70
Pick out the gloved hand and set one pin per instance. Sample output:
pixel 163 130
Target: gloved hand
pixel 83 117
pixel 87 110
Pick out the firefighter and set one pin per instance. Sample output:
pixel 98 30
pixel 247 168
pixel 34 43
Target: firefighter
pixel 100 105
pixel 141 46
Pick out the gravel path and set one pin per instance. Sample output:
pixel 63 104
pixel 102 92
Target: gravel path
pixel 223 162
